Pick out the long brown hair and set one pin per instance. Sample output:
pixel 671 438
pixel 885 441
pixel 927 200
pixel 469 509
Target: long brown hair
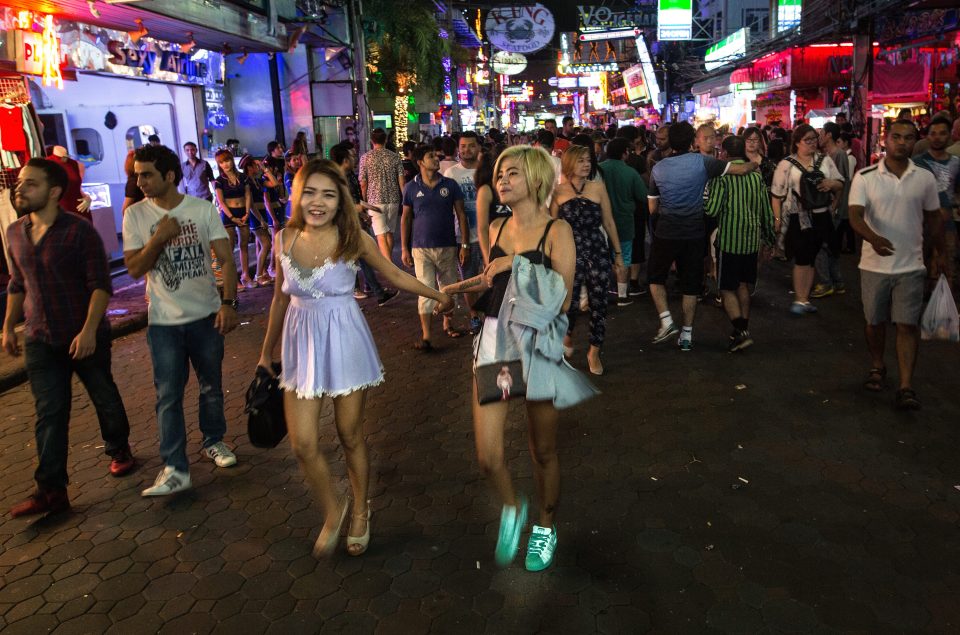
pixel 346 220
pixel 568 162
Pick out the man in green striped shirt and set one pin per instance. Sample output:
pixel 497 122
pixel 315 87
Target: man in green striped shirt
pixel 745 219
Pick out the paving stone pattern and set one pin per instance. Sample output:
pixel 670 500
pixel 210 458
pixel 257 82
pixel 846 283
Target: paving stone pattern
pixel 702 492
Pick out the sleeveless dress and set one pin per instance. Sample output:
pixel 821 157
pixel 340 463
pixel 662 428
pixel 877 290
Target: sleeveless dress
pixel 593 262
pixel 327 348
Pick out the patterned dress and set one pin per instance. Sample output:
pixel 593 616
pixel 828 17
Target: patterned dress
pixel 593 262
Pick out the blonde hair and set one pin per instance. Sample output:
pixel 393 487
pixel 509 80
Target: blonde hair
pixel 568 162
pixel 346 219
pixel 537 169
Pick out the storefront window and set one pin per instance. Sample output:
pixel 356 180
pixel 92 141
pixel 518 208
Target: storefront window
pixel 87 146
pixel 139 135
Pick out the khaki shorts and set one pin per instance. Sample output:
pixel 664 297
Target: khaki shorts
pixel 384 221
pixel 433 264
pixel 892 297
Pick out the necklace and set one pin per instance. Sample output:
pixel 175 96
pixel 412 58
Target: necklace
pixel 578 191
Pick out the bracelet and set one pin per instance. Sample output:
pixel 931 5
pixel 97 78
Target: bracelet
pixel 618 253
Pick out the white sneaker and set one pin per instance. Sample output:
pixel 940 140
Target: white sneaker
pixel 221 454
pixel 169 481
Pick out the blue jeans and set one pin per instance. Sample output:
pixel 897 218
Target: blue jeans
pixel 50 370
pixel 370 277
pixel 171 348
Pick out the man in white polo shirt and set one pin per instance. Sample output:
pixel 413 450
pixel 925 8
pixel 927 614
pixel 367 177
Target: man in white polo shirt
pixel 895 207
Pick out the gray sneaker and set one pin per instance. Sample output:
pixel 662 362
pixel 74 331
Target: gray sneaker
pixel 169 481
pixel 221 454
pixel 665 333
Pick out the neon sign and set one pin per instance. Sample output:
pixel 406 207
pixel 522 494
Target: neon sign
pixel 38 53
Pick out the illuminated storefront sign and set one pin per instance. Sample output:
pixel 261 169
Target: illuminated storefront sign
pixel 94 48
pixel 38 53
pixel 596 18
pixel 573 69
pixel 615 34
pixel 649 76
pixel 732 47
pixel 506 63
pixel 675 20
pixel 525 29
pixel 788 14
pixel 635 86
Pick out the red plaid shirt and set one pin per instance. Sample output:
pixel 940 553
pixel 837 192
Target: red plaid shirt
pixel 58 276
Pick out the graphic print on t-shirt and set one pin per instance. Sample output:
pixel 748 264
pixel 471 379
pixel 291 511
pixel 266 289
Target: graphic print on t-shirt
pixel 183 258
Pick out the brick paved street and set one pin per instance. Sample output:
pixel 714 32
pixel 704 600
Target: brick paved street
pixel 702 492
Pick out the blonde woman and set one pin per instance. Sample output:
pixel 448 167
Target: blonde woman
pixel 585 205
pixel 327 348
pixel 523 178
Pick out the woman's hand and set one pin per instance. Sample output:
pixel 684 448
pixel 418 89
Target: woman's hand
pixel 497 265
pixel 266 362
pixel 444 305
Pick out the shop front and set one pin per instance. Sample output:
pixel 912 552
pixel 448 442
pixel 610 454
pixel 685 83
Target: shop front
pixel 124 91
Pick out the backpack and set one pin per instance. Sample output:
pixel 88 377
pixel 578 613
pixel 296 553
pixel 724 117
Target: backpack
pixel 809 196
pixel 266 424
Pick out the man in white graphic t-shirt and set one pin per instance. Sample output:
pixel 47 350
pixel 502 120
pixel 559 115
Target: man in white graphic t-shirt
pixel 462 173
pixel 168 237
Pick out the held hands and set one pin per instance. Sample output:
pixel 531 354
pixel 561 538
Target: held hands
pixel 10 343
pixel 882 246
pixel 167 229
pixel 226 320
pixel 445 305
pixel 83 345
pixel 497 265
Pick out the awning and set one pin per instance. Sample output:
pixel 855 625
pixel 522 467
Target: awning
pixel 822 113
pixel 716 86
pixel 212 26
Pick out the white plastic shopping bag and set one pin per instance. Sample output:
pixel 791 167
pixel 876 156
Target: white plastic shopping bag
pixel 940 320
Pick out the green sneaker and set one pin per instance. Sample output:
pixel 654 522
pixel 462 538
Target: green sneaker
pixel 543 542
pixel 512 521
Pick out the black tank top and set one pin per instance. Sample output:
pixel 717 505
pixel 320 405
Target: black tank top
pixel 489 303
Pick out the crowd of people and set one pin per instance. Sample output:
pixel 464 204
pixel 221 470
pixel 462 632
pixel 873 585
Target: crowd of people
pixel 530 233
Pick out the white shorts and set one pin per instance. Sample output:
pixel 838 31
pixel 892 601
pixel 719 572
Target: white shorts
pixel 485 342
pixel 433 264
pixel 384 221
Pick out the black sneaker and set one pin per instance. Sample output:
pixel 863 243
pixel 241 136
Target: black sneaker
pixel 740 341
pixel 624 301
pixel 636 289
pixel 386 296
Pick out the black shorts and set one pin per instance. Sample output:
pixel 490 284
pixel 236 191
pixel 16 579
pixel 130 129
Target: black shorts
pixel 736 269
pixel 803 245
pixel 688 254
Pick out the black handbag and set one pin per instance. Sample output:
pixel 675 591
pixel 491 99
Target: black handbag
pixel 498 381
pixel 266 424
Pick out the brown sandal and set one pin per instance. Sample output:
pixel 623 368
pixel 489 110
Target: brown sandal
pixel 875 379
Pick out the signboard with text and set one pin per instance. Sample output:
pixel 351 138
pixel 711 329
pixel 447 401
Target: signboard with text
pixel 519 29
pixel 788 14
pixel 727 50
pixel 635 85
pixel 675 20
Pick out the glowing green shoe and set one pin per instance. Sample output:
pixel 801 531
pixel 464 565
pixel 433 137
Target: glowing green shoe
pixel 540 549
pixel 512 521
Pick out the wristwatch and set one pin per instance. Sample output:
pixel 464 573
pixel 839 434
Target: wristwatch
pixel 464 246
pixel 233 303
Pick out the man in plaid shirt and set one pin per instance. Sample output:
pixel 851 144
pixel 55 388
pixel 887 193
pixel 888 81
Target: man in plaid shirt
pixel 60 283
